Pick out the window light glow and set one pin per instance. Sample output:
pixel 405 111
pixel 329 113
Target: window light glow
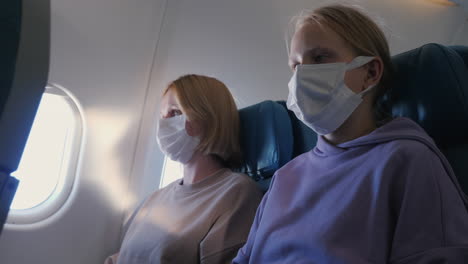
pixel 172 170
pixel 43 162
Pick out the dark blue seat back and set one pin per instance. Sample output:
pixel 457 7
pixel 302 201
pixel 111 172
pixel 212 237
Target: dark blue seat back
pixel 304 138
pixel 462 52
pixel 431 88
pixel 10 28
pixel 266 140
pixel 24 68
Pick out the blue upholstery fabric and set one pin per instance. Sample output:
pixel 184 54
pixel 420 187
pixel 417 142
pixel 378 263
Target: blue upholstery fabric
pixel 10 24
pixel 462 52
pixel 458 154
pixel 431 87
pixel 266 140
pixel 305 138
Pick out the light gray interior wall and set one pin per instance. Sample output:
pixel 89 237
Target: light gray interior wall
pixel 101 52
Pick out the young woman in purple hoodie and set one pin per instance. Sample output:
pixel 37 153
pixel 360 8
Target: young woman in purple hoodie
pixel 367 193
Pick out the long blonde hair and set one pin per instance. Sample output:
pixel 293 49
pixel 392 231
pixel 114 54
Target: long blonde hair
pixel 208 101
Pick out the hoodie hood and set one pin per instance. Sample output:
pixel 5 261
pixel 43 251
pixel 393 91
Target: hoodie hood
pixel 398 129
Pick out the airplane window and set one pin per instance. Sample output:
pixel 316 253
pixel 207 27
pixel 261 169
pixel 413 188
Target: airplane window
pixel 48 164
pixel 172 171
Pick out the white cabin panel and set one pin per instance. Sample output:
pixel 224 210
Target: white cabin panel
pixel 101 52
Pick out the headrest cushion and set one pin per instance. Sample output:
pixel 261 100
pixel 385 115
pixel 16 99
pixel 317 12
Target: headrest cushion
pixel 431 87
pixel 266 139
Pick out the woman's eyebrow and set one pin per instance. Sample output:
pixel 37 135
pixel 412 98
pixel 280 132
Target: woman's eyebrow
pixel 318 51
pixel 311 53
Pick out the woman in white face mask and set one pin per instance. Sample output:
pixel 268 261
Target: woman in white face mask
pixel 367 193
pixel 204 217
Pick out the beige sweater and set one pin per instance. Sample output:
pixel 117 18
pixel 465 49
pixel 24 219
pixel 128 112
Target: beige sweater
pixel 206 222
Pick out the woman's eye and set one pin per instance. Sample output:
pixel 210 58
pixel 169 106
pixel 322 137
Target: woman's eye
pixel 175 112
pixel 292 65
pixel 172 113
pixel 319 59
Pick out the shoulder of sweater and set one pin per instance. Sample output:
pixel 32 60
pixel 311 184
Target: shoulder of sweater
pixel 406 149
pixel 167 188
pixel 238 180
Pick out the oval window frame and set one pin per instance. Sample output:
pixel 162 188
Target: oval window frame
pixel 68 171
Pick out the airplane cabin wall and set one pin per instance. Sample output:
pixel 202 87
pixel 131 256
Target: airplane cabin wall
pixel 101 51
pixel 116 57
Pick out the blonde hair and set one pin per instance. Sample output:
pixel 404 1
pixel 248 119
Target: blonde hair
pixel 358 30
pixel 208 102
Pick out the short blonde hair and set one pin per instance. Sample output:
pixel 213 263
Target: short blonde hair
pixel 208 101
pixel 358 30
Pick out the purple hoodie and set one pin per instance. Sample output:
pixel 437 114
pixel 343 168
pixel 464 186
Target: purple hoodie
pixel 387 197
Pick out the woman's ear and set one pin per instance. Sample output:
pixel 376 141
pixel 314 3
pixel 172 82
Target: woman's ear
pixel 374 72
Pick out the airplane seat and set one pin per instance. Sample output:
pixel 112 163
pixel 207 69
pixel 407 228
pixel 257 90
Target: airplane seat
pixel 266 140
pixel 304 138
pixel 431 87
pixel 10 25
pixel 462 52
pixel 24 69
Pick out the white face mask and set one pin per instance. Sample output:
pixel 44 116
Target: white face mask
pixel 319 96
pixel 173 139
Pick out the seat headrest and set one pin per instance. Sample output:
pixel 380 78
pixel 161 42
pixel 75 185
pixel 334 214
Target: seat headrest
pixel 431 87
pixel 266 140
pixel 305 138
pixel 462 52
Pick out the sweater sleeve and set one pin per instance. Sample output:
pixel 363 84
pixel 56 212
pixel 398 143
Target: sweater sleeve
pixel 230 230
pixel 113 259
pixel 431 218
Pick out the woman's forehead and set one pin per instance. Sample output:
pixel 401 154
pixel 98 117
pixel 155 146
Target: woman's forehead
pixel 313 35
pixel 171 96
pixel 169 100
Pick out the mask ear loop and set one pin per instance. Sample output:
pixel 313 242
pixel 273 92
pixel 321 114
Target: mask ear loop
pixel 367 90
pixel 359 62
